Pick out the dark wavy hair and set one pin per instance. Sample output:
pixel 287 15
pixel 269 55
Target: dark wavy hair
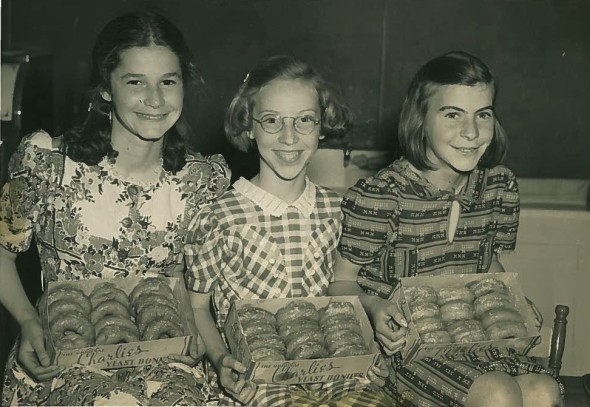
pixel 336 118
pixel 91 142
pixel 453 68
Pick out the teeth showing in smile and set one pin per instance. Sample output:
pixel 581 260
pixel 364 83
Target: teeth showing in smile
pixel 289 156
pixel 466 150
pixel 151 116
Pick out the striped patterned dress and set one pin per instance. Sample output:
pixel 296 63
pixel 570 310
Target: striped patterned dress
pixel 396 224
pixel 251 244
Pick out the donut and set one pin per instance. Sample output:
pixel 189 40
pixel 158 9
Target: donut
pixel 417 294
pixel 294 341
pixel 73 341
pixel 108 291
pixel 490 301
pixel 456 310
pixel 487 285
pixel 162 328
pixel 308 350
pixel 506 329
pixel 267 354
pixel 424 310
pixel 156 312
pixel 436 337
pixel 250 313
pixel 270 340
pixel 254 329
pixel 109 307
pixel 428 325
pixel 296 325
pixel 450 294
pixel 337 308
pixel 70 293
pixel 498 315
pixel 63 306
pixel 158 285
pixel 110 320
pixel 341 322
pixel 296 309
pixel 338 339
pixel 116 334
pixel 74 322
pixel 467 331
pixel 350 350
pixel 148 299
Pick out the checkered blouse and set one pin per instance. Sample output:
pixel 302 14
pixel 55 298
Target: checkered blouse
pixel 251 244
pixel 395 225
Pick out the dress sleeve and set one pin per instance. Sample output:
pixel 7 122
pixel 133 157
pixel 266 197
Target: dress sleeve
pixel 508 218
pixel 203 251
pixel 367 211
pixel 24 197
pixel 219 179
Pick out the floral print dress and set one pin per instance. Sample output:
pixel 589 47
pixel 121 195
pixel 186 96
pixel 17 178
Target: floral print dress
pixel 89 222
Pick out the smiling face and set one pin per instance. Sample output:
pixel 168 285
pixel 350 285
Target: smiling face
pixel 146 93
pixel 285 154
pixel 459 126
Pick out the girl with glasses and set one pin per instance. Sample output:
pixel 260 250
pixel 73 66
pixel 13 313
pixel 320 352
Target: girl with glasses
pixel 274 235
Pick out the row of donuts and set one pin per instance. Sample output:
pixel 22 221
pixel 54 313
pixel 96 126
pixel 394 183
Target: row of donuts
pixel 300 331
pixel 109 316
pixel 481 310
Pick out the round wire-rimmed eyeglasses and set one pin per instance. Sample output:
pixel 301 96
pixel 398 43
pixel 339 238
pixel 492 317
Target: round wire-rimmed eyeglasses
pixel 272 124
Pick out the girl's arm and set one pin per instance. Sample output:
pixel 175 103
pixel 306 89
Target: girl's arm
pixel 31 353
pixel 388 321
pixel 224 363
pixel 496 266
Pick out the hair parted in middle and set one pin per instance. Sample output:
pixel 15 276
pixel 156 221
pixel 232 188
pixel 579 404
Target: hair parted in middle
pixel 336 118
pixel 453 68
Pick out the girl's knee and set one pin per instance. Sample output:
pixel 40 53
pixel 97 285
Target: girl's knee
pixel 495 389
pixel 539 390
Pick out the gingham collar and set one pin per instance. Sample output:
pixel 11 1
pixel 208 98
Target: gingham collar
pixel 273 205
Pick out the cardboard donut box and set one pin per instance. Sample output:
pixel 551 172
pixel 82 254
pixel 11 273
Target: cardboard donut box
pixel 304 370
pixel 124 354
pixel 415 350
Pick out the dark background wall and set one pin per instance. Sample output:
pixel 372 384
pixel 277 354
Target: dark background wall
pixel 539 50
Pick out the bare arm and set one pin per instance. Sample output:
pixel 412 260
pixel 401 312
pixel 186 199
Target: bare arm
pixel 12 293
pixel 496 266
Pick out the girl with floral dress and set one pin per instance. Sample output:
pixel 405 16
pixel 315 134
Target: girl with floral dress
pixel 447 207
pixel 274 235
pixel 110 199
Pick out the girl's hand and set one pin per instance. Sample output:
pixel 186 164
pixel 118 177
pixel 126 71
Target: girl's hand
pixel 32 354
pixel 389 324
pixel 195 353
pixel 231 375
pixel 379 372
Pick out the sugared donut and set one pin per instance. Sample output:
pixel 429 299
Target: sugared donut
pixel 70 293
pixel 295 340
pixel 337 308
pixel 456 310
pixel 424 325
pixel 490 301
pixel 338 322
pixel 487 285
pixel 309 350
pixel 506 329
pixel 73 341
pixel 350 350
pixel 267 354
pixel 466 331
pixel 108 291
pixel 450 294
pixel 417 294
pixel 156 312
pixel 250 313
pixel 436 337
pixel 59 307
pixel 341 338
pixel 498 315
pixel 75 322
pixel 254 329
pixel 425 310
pixel 109 307
pixel 110 320
pixel 299 324
pixel 159 285
pixel 296 309
pixel 149 299
pixel 269 340
pixel 160 329
pixel 117 334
